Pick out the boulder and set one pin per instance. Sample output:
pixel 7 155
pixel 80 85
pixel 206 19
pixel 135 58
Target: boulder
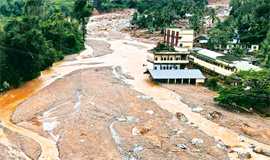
pixel 137 149
pixel 261 151
pixel 243 154
pixel 139 130
pixel 197 141
pixel 198 109
pixel 216 115
pixel 193 125
pixel 182 146
pixel 181 117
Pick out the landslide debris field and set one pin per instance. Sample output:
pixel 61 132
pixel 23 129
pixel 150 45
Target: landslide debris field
pixel 100 105
pixel 92 114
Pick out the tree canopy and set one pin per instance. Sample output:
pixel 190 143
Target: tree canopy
pixel 252 90
pixel 33 40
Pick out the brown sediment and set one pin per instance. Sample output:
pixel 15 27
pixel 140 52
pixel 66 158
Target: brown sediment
pixel 103 99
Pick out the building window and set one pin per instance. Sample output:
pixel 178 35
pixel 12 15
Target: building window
pixel 177 58
pixel 155 68
pixel 243 46
pixel 254 47
pixel 171 58
pixel 181 45
pixel 162 58
pixel 165 59
pixel 156 58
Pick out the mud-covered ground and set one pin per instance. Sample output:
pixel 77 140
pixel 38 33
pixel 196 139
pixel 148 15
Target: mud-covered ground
pixel 84 106
pixel 234 118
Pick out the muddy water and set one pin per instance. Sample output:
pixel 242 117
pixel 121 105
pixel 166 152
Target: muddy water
pixel 131 59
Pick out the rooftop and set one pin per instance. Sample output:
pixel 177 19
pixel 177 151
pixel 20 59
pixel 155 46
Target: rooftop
pixel 177 74
pixel 229 58
pixel 209 53
pixel 244 65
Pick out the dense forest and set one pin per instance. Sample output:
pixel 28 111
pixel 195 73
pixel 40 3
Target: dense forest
pixel 161 14
pixel 35 34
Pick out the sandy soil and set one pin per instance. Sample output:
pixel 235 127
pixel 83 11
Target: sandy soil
pixel 234 118
pixel 27 145
pixel 102 99
pixel 100 48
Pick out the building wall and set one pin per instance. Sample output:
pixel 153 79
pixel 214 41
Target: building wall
pixel 217 69
pixel 179 37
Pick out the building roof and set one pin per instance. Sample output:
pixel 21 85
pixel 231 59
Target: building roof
pixel 209 53
pixel 244 65
pixel 229 58
pixel 177 74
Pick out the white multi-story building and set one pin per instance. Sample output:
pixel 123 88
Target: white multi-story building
pixel 179 37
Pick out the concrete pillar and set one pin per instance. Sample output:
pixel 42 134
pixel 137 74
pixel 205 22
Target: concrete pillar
pixel 182 81
pixel 188 81
pixel 168 81
pixel 174 81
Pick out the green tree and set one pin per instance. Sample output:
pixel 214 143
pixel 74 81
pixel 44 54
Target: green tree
pixel 212 83
pixel 217 38
pixel 212 14
pixel 82 12
pixel 263 55
pixel 252 91
pixel 196 23
pixel 135 16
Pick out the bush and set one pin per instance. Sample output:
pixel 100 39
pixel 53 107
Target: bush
pixel 211 83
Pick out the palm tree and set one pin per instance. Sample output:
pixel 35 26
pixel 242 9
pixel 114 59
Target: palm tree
pixel 212 14
pixel 263 55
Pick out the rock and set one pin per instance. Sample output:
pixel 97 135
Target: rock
pixel 132 119
pixel 243 154
pixel 81 140
pixel 121 119
pixel 193 125
pixel 176 136
pixel 181 117
pixel 197 141
pixel 174 118
pixel 144 97
pixel 198 109
pixel 180 132
pixel 150 112
pixel 216 115
pixel 154 140
pixel 195 150
pixel 182 146
pixel 241 140
pixel 92 103
pixel 218 146
pixel 257 149
pixel 137 149
pixel 209 117
pixel 261 151
pixel 139 130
